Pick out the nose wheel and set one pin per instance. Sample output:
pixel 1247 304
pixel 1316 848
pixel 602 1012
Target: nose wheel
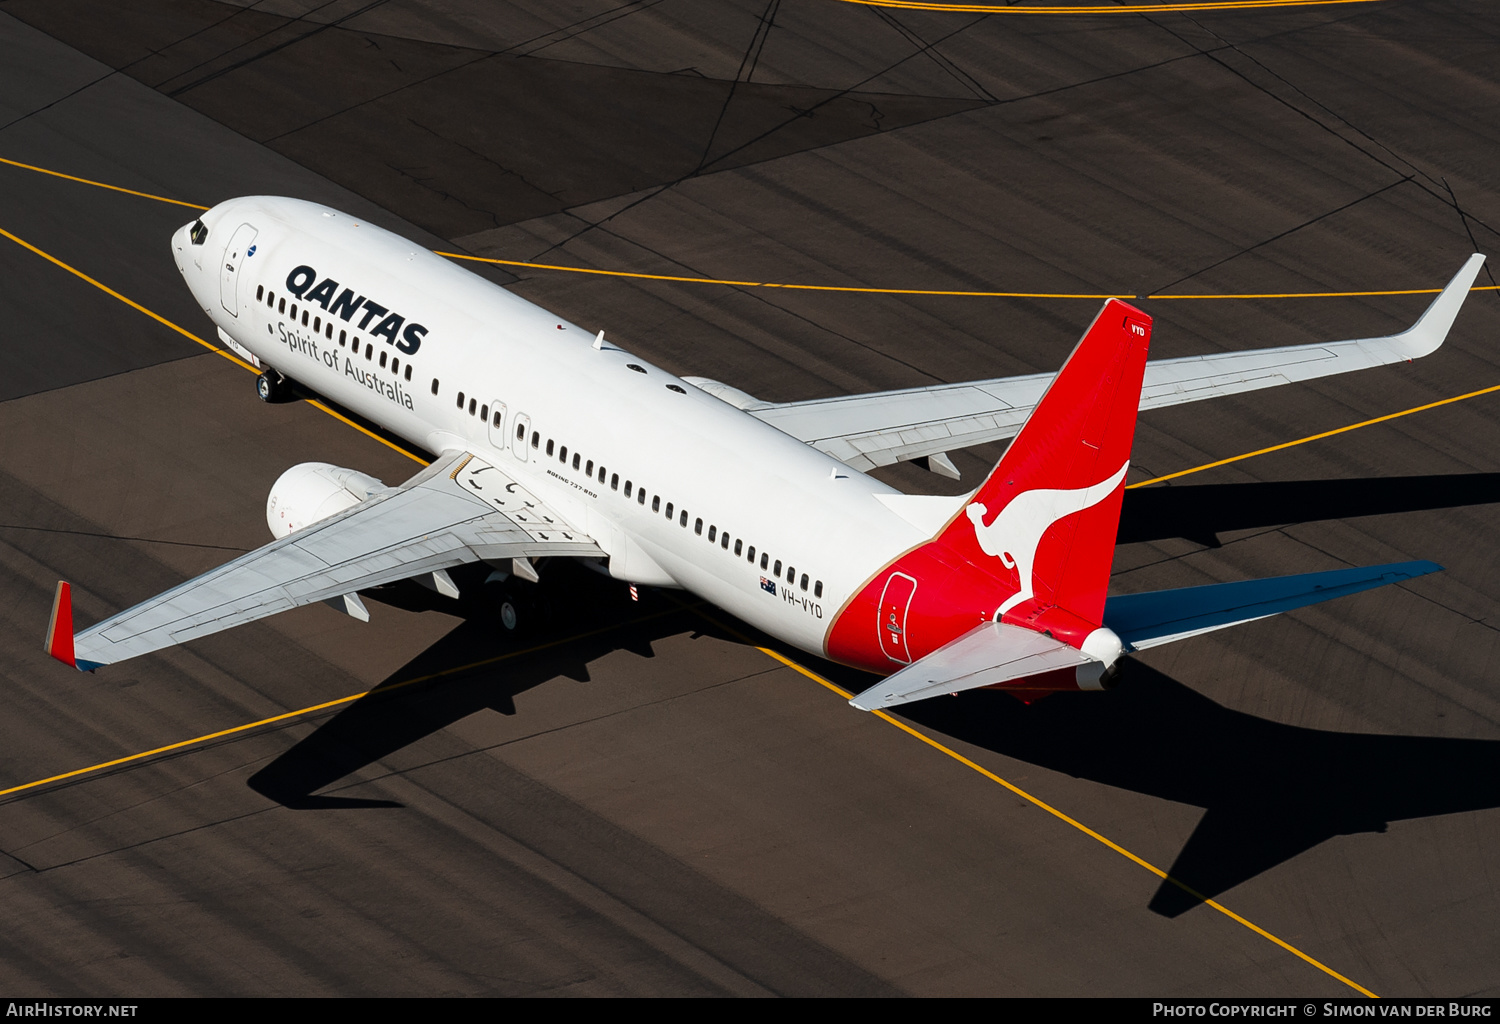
pixel 272 387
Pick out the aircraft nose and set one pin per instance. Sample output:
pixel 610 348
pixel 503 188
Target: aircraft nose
pixel 179 246
pixel 188 245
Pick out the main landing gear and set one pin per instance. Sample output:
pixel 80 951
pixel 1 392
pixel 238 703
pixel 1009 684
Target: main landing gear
pixel 515 602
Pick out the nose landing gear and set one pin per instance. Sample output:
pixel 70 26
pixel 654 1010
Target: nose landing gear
pixel 272 387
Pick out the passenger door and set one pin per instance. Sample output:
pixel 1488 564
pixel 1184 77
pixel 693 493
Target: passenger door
pixel 497 425
pixel 239 245
pixel 894 602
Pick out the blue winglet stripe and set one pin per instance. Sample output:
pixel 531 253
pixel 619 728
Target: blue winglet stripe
pixel 1140 617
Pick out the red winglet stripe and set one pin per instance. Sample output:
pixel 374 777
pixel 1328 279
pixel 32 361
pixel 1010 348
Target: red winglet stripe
pixel 60 626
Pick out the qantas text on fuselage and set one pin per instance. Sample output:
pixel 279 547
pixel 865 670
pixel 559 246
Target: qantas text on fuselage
pixel 379 321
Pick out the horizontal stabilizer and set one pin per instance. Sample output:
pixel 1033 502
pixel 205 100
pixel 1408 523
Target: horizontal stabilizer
pixel 990 653
pixel 1162 616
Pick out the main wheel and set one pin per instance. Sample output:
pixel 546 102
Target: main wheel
pixel 510 613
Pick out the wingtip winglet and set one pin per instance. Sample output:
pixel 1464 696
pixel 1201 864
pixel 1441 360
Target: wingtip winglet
pixel 1431 330
pixel 59 642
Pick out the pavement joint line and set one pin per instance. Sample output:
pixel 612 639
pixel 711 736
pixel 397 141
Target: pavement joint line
pixel 1317 437
pixel 236 360
pixel 378 691
pixel 1163 8
pixel 803 287
pixel 1068 819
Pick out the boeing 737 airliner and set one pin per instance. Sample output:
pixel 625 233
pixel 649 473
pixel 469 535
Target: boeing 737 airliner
pixel 551 441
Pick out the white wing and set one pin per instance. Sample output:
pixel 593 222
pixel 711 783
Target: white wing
pixel 458 510
pixel 865 431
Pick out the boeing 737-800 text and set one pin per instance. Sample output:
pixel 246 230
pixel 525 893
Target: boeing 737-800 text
pixel 552 442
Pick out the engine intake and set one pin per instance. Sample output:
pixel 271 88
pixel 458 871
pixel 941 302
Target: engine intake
pixel 312 491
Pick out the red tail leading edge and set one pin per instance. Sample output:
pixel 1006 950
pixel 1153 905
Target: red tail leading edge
pixel 1033 547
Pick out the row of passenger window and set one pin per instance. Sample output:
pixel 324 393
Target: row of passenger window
pixel 715 535
pixel 484 411
pixel 346 340
pixel 587 468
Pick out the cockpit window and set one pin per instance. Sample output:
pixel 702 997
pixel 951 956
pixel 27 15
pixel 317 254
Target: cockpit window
pixel 199 233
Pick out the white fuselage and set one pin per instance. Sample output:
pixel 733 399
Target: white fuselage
pixel 636 425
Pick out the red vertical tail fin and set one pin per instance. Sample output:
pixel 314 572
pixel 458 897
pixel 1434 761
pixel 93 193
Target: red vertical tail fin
pixel 1046 518
pixel 1034 545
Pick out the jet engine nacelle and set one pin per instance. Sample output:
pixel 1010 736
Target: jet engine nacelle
pixel 312 491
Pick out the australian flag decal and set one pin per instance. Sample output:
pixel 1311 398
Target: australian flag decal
pixel 769 586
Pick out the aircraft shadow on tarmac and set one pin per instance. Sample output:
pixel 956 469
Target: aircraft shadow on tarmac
pixel 1270 791
pixel 473 668
pixel 1200 512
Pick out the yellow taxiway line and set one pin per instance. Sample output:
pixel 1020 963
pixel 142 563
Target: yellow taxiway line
pixel 99 184
pixel 1321 295
pixel 790 287
pixel 315 708
pixel 769 652
pixel 688 279
pixel 1074 822
pixel 322 407
pixel 1317 437
pixel 106 289
pixel 1054 9
pixel 216 350
pixel 937 291
pixel 1060 815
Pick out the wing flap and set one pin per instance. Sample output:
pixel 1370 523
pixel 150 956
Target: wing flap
pixel 437 520
pixel 865 431
pixel 990 653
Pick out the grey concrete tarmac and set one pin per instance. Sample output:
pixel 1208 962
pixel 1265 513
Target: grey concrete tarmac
pixel 640 801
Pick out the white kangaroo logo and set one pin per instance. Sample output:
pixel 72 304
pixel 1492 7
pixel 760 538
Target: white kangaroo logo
pixel 1018 530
